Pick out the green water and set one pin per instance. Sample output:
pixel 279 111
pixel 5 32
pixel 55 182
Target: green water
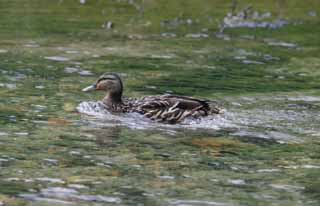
pixel 264 149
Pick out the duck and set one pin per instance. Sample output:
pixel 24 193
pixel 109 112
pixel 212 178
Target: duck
pixel 167 108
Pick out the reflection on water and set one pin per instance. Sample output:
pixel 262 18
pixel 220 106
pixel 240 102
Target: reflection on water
pixel 107 136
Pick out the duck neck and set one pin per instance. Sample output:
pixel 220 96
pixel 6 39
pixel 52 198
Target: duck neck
pixel 113 100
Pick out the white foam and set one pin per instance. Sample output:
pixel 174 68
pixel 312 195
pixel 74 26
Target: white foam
pixel 138 121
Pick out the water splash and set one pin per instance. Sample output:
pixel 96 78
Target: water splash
pixel 99 116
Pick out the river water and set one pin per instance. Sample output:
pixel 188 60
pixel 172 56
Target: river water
pixel 56 148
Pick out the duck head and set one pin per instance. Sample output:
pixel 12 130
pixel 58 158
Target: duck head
pixel 111 84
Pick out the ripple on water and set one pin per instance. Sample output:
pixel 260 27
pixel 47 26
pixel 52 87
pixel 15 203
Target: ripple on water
pixel 237 182
pixel 72 52
pixel 52 180
pixel 42 199
pixel 40 87
pixel 288 188
pixel 77 186
pixel 280 137
pixel 70 70
pixel 39 179
pixel 301 167
pixel 268 170
pixel 310 166
pixel 3 133
pixel 85 73
pixel 57 58
pixel 80 71
pixel 63 194
pixel 8 86
pixel 305 98
pixel 197 202
pixel 32 45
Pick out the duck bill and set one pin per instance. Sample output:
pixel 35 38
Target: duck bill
pixel 90 88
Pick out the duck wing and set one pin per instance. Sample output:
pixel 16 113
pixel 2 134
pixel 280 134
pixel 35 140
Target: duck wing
pixel 172 108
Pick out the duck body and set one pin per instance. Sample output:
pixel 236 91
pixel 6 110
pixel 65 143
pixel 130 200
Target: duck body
pixel 163 108
pixel 170 108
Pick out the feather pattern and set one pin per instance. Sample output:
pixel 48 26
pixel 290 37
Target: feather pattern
pixel 170 108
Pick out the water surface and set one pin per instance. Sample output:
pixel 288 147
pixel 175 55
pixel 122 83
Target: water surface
pixel 262 150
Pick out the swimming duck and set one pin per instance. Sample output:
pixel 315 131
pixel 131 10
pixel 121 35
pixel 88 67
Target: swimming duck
pixel 164 108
